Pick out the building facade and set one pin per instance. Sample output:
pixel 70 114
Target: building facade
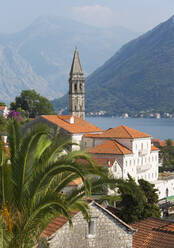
pixel 130 150
pixel 103 230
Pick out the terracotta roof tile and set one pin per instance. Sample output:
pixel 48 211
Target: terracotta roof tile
pixel 2 107
pixel 163 143
pixel 56 224
pixel 120 132
pixel 153 233
pixel 79 125
pixel 76 182
pixel 110 147
pixel 154 148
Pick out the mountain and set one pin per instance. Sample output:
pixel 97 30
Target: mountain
pixel 47 47
pixel 139 77
pixel 16 74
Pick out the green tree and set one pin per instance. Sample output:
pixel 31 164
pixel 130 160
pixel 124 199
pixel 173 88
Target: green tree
pixel 3 125
pixel 167 156
pixel 2 104
pixel 150 208
pixel 33 103
pixel 137 201
pixel 32 183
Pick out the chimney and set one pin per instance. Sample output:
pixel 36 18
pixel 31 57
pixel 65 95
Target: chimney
pixel 71 121
pixel 109 162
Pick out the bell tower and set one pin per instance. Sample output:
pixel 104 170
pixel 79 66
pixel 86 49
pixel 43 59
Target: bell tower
pixel 76 88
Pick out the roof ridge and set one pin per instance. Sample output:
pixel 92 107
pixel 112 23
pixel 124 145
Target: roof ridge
pixel 115 143
pixel 114 216
pixel 125 128
pixel 123 145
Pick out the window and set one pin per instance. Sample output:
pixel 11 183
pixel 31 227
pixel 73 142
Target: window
pixel 75 87
pixel 91 229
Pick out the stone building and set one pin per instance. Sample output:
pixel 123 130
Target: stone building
pixel 76 88
pixel 104 230
pixel 70 126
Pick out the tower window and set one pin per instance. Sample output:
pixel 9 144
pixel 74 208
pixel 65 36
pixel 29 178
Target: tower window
pixel 75 86
pixel 80 86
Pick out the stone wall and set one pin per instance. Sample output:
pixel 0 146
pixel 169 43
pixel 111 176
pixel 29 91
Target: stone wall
pixel 108 232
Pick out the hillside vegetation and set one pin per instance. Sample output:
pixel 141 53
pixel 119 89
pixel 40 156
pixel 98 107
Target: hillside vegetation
pixel 139 77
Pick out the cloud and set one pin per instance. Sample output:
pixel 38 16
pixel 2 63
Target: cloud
pixel 95 15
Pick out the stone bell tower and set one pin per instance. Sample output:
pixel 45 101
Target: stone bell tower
pixel 76 88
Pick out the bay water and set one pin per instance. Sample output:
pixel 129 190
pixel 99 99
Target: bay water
pixel 157 128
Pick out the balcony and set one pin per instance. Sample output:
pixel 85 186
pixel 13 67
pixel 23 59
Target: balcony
pixel 143 168
pixel 143 152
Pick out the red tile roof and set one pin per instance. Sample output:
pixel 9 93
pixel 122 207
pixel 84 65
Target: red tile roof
pixel 79 125
pixel 56 224
pixel 2 107
pixel 160 142
pixel 153 233
pixel 153 148
pixel 76 182
pixel 163 143
pixel 120 132
pixel 110 147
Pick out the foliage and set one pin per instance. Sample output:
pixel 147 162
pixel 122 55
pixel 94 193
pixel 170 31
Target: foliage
pixel 2 104
pixel 137 201
pixel 167 156
pixel 33 103
pixel 135 78
pixel 3 125
pixel 150 208
pixel 32 183
pixel 15 115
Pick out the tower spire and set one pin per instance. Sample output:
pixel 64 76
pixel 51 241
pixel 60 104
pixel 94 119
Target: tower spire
pixel 76 67
pixel 76 88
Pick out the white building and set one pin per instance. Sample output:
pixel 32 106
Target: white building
pixel 4 111
pixel 128 151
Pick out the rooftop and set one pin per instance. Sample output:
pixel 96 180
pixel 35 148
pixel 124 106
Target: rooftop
pixel 110 147
pixel 120 132
pixel 153 233
pixel 78 125
pixel 2 107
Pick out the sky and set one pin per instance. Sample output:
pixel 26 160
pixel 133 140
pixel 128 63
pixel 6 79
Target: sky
pixel 137 15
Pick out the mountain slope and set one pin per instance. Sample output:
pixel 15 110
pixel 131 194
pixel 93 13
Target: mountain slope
pixel 140 76
pixel 47 45
pixel 16 74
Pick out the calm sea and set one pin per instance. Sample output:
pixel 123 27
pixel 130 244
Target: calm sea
pixel 158 128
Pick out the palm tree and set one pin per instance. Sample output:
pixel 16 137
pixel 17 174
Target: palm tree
pixel 33 177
